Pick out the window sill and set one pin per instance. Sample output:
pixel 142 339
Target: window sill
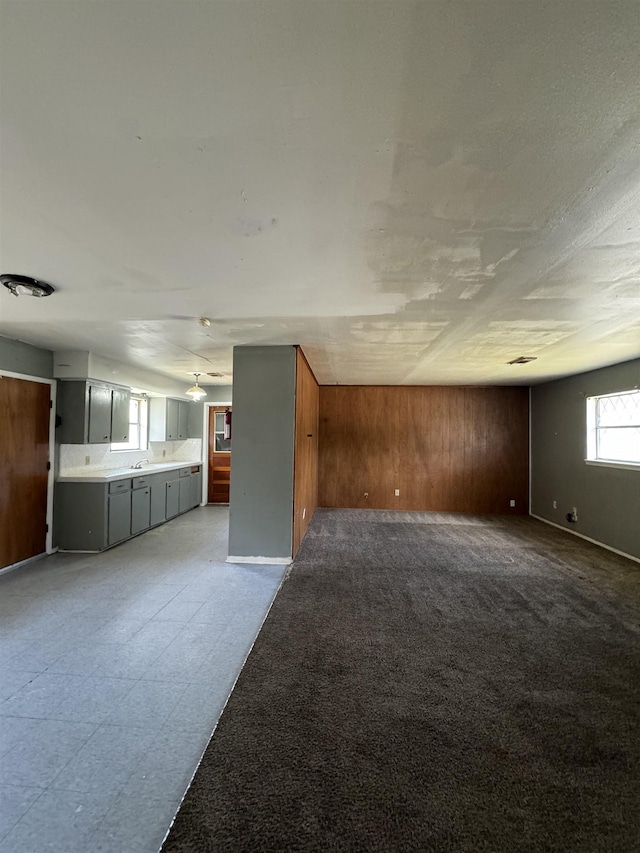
pixel 600 463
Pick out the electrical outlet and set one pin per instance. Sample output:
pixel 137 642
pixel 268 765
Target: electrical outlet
pixel 555 504
pixel 87 460
pixel 512 503
pixel 164 453
pixel 397 493
pixel 366 494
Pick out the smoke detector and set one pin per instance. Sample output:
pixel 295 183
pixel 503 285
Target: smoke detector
pixel 24 285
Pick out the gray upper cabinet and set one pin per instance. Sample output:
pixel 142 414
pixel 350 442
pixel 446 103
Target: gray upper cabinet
pixel 183 419
pixel 120 414
pixel 99 414
pixel 173 411
pixel 168 419
pixel 92 412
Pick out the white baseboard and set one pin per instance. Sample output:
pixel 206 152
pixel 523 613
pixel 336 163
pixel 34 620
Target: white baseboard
pixel 22 563
pixel 271 561
pixel 586 538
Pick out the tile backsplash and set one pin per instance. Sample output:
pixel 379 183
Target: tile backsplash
pixel 72 457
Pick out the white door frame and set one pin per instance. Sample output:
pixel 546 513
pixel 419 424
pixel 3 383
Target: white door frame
pixel 52 452
pixel 205 447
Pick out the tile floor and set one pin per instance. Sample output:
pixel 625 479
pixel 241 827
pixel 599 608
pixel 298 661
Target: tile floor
pixel 114 669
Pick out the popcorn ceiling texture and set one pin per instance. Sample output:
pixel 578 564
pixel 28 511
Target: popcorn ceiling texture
pixel 416 193
pixel 72 456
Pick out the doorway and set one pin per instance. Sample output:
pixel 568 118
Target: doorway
pixel 24 463
pixel 219 444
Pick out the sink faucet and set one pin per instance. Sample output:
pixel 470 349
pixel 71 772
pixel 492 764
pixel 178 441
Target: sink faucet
pixel 140 463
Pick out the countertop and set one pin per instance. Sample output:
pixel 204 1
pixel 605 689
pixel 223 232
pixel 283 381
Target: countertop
pixel 107 475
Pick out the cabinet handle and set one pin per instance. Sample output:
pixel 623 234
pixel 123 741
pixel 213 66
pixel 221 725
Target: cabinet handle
pixel 105 436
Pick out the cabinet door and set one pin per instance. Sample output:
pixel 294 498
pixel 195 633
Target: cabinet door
pixel 173 499
pixel 185 493
pixel 173 407
pixel 158 503
pixel 99 414
pixel 119 517
pixel 183 419
pixel 120 415
pixel 196 489
pixel 140 510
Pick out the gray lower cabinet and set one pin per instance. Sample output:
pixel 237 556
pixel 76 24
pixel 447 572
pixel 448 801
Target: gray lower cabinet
pixel 185 494
pixel 94 516
pixel 119 517
pixel 158 503
pixel 196 488
pixel 140 510
pixel 173 498
pixel 81 516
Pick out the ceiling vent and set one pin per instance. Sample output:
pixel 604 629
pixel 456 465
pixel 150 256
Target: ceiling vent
pixel 215 375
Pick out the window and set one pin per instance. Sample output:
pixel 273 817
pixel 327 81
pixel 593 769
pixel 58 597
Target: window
pixel 138 431
pixel 613 428
pixel 222 444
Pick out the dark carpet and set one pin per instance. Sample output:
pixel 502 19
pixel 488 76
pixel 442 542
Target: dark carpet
pixel 432 682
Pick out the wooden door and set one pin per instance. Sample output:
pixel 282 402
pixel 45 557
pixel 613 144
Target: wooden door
pixel 24 457
pixel 219 457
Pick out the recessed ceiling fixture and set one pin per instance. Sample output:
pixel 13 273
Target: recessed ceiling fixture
pixel 523 359
pixel 196 392
pixel 24 285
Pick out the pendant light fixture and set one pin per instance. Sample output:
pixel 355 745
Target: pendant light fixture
pixel 196 392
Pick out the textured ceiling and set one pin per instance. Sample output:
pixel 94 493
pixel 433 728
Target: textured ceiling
pixel 415 192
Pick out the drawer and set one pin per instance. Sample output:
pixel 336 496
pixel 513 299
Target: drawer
pixel 185 472
pixel 141 482
pixel 195 469
pixel 119 486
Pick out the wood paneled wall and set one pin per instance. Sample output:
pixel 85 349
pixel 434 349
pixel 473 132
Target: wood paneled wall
pixel 305 472
pixel 447 448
